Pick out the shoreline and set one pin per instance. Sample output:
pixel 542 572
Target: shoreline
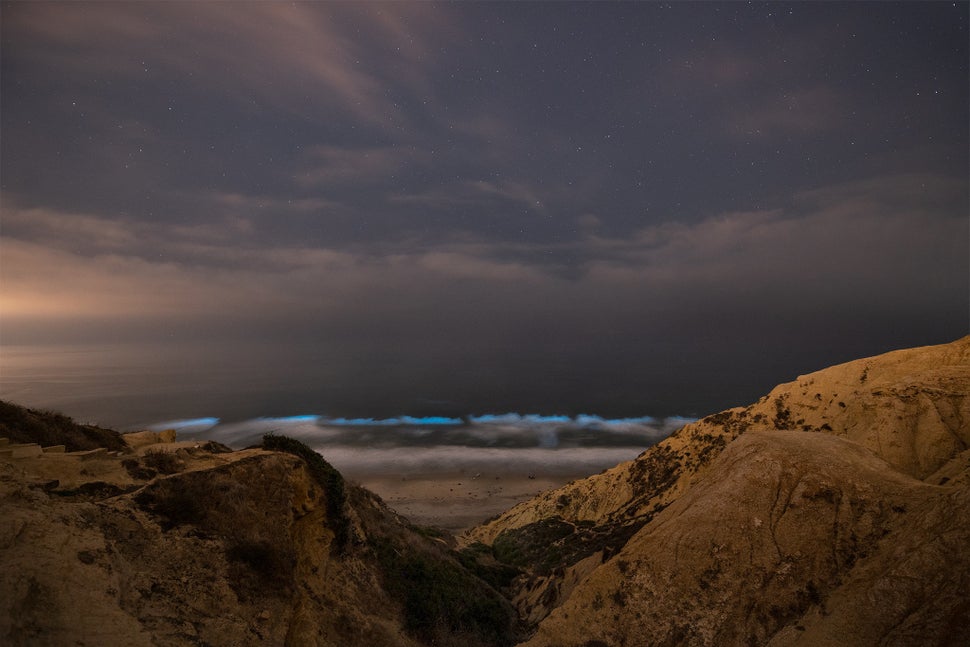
pixel 457 488
pixel 456 501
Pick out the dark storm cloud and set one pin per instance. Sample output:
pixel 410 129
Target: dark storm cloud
pixel 608 204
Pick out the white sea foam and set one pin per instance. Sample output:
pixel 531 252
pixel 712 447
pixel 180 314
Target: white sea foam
pixel 510 430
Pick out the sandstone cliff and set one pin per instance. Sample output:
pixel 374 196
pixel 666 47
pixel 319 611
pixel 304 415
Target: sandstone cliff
pixel 832 511
pixel 178 544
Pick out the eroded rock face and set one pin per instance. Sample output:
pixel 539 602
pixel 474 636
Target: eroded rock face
pixel 204 546
pixel 911 407
pixel 234 553
pixel 749 524
pixel 789 535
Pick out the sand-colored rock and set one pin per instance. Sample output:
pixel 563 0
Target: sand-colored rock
pixel 115 570
pixel 23 450
pixel 911 407
pixel 863 434
pixel 232 548
pixel 790 535
pixel 140 439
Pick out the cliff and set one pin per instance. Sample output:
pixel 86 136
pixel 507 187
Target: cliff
pixel 189 544
pixel 832 511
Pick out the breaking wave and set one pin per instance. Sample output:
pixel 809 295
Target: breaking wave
pixel 508 430
pixel 408 444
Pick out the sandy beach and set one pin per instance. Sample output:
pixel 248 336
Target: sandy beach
pixel 457 501
pixel 456 488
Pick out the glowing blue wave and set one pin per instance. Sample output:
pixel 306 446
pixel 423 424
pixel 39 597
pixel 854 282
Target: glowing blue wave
pixel 490 430
pixel 195 424
pixel 511 418
pixel 391 422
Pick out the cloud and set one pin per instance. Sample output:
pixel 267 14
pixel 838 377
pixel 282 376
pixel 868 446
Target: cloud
pixel 716 67
pixel 46 284
pixel 848 248
pixel 65 231
pixel 328 165
pixel 589 221
pixel 851 226
pixel 806 110
pixel 759 95
pixel 477 192
pixel 512 191
pixel 241 202
pixel 240 47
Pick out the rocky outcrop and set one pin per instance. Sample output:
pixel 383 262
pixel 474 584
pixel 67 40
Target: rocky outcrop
pixel 910 407
pixel 203 546
pixel 696 541
pixel 790 537
pixel 136 439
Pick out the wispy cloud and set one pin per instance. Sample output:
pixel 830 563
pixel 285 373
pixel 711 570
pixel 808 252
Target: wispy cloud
pixel 805 111
pixel 247 203
pixel 834 243
pixel 300 57
pixel 62 230
pixel 476 192
pixel 329 165
pixel 758 95
pixel 826 240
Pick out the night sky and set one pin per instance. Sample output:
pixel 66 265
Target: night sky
pixel 382 209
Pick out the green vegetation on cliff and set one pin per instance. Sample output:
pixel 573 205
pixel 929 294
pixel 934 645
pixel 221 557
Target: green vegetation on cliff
pixel 326 476
pixel 23 425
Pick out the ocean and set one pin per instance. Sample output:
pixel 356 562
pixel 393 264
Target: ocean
pixel 225 396
pixel 535 444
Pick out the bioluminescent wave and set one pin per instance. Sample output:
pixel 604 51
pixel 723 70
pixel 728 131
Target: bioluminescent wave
pixel 510 430
pixel 390 422
pixel 192 424
pixel 482 442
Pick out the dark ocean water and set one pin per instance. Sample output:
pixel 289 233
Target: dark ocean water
pixel 128 385
pixel 236 398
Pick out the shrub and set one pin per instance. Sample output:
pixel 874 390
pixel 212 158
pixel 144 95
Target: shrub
pixel 92 491
pixel 532 545
pixel 163 461
pixel 23 425
pixel 179 504
pixel 443 603
pixel 478 559
pixel 136 471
